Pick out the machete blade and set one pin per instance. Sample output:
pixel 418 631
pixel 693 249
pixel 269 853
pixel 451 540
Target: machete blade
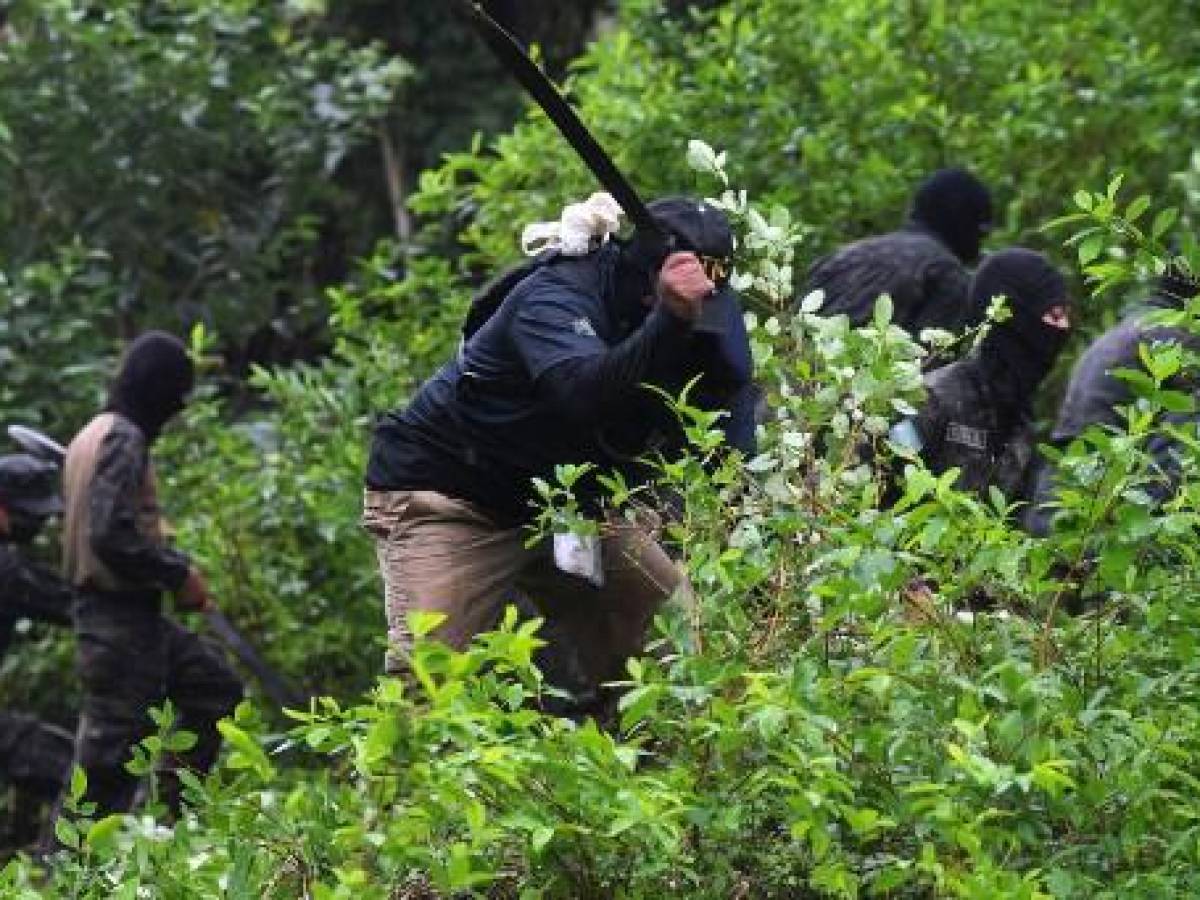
pixel 273 685
pixel 40 445
pixel 565 119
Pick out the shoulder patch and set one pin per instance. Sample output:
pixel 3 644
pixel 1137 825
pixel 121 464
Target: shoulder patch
pixel 583 327
pixel 967 436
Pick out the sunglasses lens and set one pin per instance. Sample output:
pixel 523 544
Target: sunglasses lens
pixel 716 270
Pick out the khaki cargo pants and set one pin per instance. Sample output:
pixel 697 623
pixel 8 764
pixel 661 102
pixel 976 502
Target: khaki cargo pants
pixel 445 555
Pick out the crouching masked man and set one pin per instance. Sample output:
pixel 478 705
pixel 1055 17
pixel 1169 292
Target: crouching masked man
pixel 34 755
pixel 554 375
pixel 130 656
pixel 978 415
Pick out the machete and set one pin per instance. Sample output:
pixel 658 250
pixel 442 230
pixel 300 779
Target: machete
pixel 565 119
pixel 273 684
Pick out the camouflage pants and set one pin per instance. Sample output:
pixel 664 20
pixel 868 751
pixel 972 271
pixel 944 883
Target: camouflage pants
pixel 130 657
pixel 34 755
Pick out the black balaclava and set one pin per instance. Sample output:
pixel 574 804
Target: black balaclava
pixel 155 378
pixel 1020 351
pixel 955 206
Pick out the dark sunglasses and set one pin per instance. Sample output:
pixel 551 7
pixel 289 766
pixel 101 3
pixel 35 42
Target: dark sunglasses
pixel 716 269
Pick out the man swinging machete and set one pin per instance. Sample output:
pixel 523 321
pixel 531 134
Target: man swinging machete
pixel 553 367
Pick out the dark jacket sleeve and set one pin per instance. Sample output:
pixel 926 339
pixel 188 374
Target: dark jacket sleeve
pixel 133 557
pixel 739 426
pixel 30 591
pixel 593 384
pixel 930 423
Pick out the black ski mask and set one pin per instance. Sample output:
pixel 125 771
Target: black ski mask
pixel 1020 351
pixel 955 206
pixel 154 380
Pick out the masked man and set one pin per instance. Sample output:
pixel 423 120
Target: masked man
pixel 34 755
pixel 920 266
pixel 977 415
pixel 555 375
pixel 131 657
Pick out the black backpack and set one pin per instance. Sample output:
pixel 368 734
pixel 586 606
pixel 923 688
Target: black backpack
pixel 488 299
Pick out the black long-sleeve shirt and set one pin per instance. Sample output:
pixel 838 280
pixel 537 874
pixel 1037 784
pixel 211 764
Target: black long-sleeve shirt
pixel 559 363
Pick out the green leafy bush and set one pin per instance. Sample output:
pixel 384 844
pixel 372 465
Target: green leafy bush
pixel 865 702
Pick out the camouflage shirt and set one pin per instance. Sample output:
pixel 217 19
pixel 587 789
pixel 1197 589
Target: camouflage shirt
pixel 1094 393
pixel 29 591
pixel 961 426
pixel 112 533
pixel 927 283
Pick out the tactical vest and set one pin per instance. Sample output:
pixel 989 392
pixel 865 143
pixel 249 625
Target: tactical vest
pixel 81 566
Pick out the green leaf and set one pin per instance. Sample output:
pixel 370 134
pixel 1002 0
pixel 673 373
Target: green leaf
pixel 248 754
pixel 67 833
pixel 78 784
pixel 1137 207
pixel 1091 248
pixel 883 311
pixel 102 835
pixel 1163 222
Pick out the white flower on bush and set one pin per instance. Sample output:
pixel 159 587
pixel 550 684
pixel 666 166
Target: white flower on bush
pixel 876 425
pixel 813 301
pixel 936 337
pixel 703 158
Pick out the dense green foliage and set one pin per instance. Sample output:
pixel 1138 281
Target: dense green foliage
pixel 828 722
pixel 166 164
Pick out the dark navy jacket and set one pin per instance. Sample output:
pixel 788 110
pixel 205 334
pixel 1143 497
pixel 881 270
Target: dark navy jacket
pixel 557 375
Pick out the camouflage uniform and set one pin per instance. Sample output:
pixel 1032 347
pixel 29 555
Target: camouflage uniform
pixel 927 283
pixel 130 656
pixel 1094 393
pixel 978 415
pixel 33 754
pixel 962 424
pixel 1094 396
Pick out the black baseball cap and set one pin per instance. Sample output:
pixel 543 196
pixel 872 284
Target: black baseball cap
pixel 29 484
pixel 697 227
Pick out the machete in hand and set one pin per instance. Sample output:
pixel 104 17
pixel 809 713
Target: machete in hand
pixel 273 685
